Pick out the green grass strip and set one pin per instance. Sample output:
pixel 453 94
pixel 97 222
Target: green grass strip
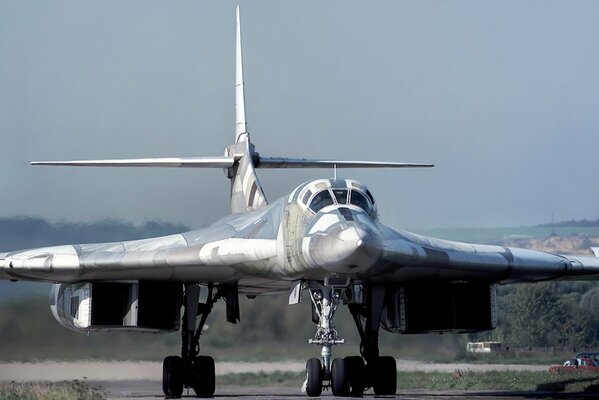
pixel 493 380
pixel 500 380
pixel 67 390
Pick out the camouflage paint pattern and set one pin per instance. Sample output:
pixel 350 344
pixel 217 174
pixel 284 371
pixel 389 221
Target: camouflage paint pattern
pixel 265 249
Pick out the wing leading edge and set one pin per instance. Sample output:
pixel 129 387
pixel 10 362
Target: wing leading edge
pixel 228 251
pixel 408 256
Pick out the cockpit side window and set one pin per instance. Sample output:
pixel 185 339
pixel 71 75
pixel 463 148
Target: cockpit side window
pixel 370 196
pixel 307 197
pixel 340 195
pixel 358 199
pixel 321 200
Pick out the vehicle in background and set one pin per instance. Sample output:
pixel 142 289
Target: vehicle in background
pixel 590 355
pixel 580 363
pixel 483 347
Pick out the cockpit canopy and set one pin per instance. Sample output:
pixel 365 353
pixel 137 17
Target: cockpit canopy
pixel 316 195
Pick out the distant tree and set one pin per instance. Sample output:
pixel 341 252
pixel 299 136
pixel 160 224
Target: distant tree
pixel 588 312
pixel 585 223
pixel 533 316
pixel 549 314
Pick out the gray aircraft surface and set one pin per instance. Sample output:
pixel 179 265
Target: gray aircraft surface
pixel 324 238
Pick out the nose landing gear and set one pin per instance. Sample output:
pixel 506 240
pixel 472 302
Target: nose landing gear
pixel 325 301
pixel 349 376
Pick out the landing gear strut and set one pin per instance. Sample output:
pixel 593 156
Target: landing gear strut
pixel 325 301
pixel 349 376
pixel 191 370
pixel 380 371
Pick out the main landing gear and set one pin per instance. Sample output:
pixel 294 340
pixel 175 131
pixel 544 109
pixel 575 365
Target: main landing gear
pixel 191 370
pixel 349 376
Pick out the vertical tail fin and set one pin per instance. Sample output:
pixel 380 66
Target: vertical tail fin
pixel 246 191
pixel 241 133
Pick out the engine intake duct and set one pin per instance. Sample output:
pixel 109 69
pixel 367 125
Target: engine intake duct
pixel 129 306
pixel 423 307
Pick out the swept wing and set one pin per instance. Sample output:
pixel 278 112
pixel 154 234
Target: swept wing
pixel 408 256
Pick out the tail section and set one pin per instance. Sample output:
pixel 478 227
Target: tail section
pixel 240 159
pixel 246 191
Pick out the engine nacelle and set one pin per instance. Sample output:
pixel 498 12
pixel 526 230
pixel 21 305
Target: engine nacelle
pixel 119 306
pixel 423 307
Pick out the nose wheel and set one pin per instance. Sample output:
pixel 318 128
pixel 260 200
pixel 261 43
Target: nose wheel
pixel 314 377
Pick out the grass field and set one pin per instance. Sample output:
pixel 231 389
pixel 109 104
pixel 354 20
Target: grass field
pixel 514 357
pixel 500 380
pixel 72 390
pixel 437 381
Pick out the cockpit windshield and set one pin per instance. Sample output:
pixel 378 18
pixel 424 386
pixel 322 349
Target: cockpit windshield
pixel 315 195
pixel 358 199
pixel 321 200
pixel 340 195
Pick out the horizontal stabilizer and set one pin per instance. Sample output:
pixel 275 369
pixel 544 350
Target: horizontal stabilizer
pixel 174 162
pixel 278 162
pixel 228 162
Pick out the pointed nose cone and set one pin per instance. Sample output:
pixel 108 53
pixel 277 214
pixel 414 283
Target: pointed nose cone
pixel 348 249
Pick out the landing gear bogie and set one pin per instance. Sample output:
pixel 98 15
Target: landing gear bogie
pixel 191 370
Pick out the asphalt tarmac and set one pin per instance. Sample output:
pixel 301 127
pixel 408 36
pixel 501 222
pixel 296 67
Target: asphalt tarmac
pixel 152 371
pixel 126 390
pixel 141 380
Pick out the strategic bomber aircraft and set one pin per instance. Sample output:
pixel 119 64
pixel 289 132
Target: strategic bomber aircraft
pixel 324 238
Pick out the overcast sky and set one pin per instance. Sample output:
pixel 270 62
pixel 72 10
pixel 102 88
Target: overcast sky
pixel 502 96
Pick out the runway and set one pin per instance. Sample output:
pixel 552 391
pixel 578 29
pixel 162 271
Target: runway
pixel 152 371
pixel 146 390
pixel 142 380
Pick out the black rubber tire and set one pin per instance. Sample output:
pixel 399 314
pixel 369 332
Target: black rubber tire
pixel 384 379
pixel 355 372
pixel 203 376
pixel 339 381
pixel 314 377
pixel 172 377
